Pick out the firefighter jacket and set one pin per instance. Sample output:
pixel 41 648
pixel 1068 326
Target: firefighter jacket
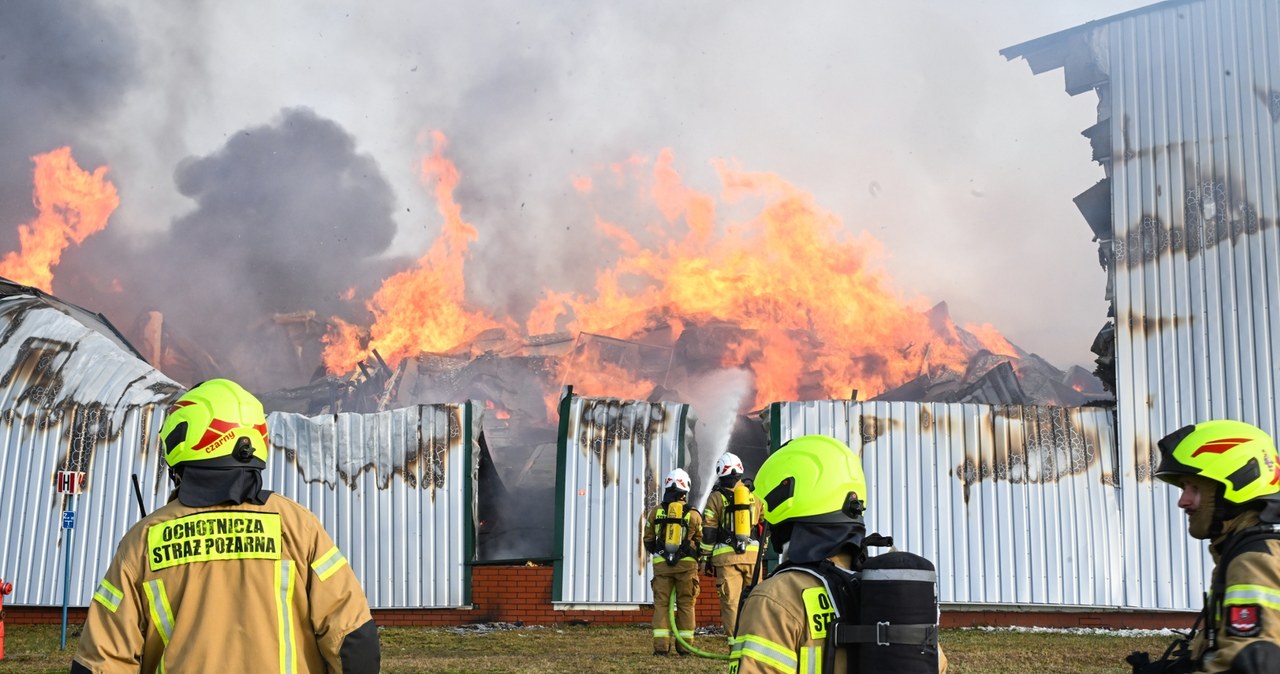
pixel 653 540
pixel 784 624
pixel 1247 614
pixel 230 588
pixel 717 530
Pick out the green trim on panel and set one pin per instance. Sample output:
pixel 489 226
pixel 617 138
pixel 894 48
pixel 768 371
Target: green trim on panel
pixel 562 451
pixel 680 444
pixel 775 426
pixel 771 558
pixel 471 458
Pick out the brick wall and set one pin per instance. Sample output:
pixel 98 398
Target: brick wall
pixel 523 594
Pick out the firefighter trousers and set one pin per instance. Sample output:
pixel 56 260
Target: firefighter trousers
pixel 684 583
pixel 730 579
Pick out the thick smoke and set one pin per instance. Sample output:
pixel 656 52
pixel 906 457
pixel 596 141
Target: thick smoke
pixel 288 217
pixel 63 68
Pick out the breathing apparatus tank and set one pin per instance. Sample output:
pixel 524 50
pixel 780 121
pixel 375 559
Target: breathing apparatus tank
pixel 742 502
pixel 673 532
pixel 896 620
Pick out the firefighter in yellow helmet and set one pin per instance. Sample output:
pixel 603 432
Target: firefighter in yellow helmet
pixel 813 490
pixel 227 576
pixel 1229 474
pixel 672 533
pixel 730 542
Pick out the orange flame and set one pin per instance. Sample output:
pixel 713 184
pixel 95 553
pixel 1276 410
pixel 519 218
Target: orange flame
pixel 72 205
pixel 804 303
pixel 803 292
pixel 422 309
pixel 992 340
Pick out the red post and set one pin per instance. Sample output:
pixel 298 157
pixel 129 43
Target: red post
pixel 5 588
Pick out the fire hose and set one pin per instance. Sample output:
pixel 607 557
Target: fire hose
pixel 671 614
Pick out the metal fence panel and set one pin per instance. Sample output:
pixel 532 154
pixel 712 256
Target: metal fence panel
pixel 1014 505
pixel 613 456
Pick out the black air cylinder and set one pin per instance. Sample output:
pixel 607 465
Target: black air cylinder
pixel 899 599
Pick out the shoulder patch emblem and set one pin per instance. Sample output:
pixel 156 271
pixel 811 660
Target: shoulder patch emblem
pixel 1244 620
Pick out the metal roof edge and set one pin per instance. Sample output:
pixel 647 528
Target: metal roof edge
pixel 1041 44
pixel 90 319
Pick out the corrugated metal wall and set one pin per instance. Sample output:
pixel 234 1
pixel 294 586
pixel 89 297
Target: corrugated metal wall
pixel 1189 134
pixel 1195 125
pixel 70 399
pixel 395 489
pixel 1014 505
pixel 613 455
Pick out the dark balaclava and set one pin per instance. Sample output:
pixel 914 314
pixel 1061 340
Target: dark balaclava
pixel 197 486
pixel 817 538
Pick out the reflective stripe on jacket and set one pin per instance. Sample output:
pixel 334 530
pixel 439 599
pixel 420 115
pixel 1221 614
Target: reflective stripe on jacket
pixel 241 588
pixel 1248 619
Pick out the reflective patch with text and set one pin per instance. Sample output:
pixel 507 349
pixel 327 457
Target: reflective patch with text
pixel 213 536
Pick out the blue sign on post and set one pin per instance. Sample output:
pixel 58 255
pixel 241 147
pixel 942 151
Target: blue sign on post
pixel 68 519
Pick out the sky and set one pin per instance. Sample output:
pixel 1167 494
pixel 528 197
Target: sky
pixel 270 151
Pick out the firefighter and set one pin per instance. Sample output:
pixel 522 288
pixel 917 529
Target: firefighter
pixel 813 490
pixel 730 542
pixel 226 576
pixel 1229 474
pixel 672 533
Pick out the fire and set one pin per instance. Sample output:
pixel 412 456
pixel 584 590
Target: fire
pixel 422 309
pixel 992 340
pixel 792 294
pixel 72 205
pixel 804 292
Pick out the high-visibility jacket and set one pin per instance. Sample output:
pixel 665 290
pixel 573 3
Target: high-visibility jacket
pixel 232 588
pixel 783 628
pixel 1248 614
pixel 717 528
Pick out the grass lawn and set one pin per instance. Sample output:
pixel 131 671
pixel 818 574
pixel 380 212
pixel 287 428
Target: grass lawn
pixel 33 649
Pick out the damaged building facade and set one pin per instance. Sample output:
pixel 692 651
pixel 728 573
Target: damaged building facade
pixel 1186 220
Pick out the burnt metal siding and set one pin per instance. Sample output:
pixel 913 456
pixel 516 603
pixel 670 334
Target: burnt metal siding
pixel 1195 121
pixel 70 399
pixel 1015 505
pixel 1190 95
pixel 396 491
pixel 613 456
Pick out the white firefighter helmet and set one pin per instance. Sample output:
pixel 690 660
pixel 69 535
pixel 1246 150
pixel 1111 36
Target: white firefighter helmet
pixel 728 464
pixel 677 479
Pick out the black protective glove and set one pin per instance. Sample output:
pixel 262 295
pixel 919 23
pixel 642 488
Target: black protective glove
pixel 1142 664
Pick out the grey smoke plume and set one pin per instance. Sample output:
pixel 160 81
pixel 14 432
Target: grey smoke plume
pixel 288 217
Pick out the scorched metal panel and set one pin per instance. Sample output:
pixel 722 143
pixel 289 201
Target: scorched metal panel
pixel 1195 118
pixel 613 455
pixel 1190 94
pixel 1014 505
pixel 396 491
pixel 70 399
